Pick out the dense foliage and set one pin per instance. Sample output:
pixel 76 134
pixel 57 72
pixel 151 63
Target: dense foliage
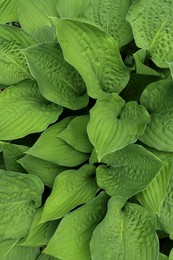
pixel 86 129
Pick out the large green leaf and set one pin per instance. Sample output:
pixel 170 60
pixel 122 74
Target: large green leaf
pixel 20 195
pixel 153 196
pixel 75 134
pixel 45 170
pixel 71 188
pixel 58 81
pixel 6 246
pixel 94 54
pixel 12 153
pixel 114 124
pixel 13 65
pixel 151 22
pixel 109 15
pixel 34 17
pixel 158 99
pixel 51 148
pixel 126 233
pixel 127 171
pixel 71 240
pixel 40 234
pixel 46 257
pixel 8 10
pixel 21 253
pixel 25 111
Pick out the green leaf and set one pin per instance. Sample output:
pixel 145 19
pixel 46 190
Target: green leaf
pixel 171 255
pixel 71 188
pixel 46 257
pixel 46 171
pixel 34 17
pixel 20 195
pixel 109 15
pixel 6 246
pixel 21 253
pixel 75 134
pixel 153 196
pixel 151 22
pixel 162 257
pixel 128 171
pixel 92 52
pixel 12 62
pixel 58 81
pixel 158 99
pixel 8 11
pixel 51 148
pixel 71 240
pixel 25 111
pixel 11 153
pixel 40 234
pixel 114 124
pixel 127 233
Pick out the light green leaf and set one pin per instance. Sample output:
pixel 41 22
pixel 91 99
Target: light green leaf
pixel 71 240
pixel 23 253
pixel 128 171
pixel 11 153
pixel 6 246
pixel 71 188
pixel 171 255
pixel 75 134
pixel 12 62
pixel 58 81
pixel 114 124
pixel 34 17
pixel 51 148
pixel 92 52
pixel 153 196
pixel 25 111
pixel 151 22
pixel 46 257
pixel 109 15
pixel 40 234
pixel 162 257
pixel 141 68
pixel 8 11
pixel 127 233
pixel 20 195
pixel 158 99
pixel 46 171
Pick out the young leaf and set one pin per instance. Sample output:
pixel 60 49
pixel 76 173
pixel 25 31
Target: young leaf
pixel 25 111
pixel 8 11
pixel 11 153
pixel 39 234
pixel 151 22
pixel 127 233
pixel 94 54
pixel 51 148
pixel 46 171
pixel 158 99
pixel 71 239
pixel 58 81
pixel 20 195
pixel 75 134
pixel 114 124
pixel 128 171
pixel 71 188
pixel 153 196
pixel 34 17
pixel 13 65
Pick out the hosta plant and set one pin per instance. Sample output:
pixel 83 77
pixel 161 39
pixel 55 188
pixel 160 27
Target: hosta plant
pixel 86 130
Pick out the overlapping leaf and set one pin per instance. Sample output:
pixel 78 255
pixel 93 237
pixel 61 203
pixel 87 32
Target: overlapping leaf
pixel 51 148
pixel 34 17
pixel 25 111
pixel 20 195
pixel 62 85
pixel 94 54
pixel 12 62
pixel 71 188
pixel 151 22
pixel 128 171
pixel 158 99
pixel 127 233
pixel 71 240
pixel 114 124
pixel 8 11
